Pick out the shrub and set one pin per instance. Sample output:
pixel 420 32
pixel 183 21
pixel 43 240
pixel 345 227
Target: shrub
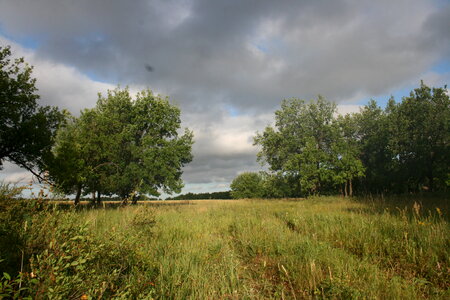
pixel 247 185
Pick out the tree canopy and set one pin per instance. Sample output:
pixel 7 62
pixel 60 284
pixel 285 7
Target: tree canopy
pixel 308 143
pixel 402 148
pixel 27 130
pixel 247 185
pixel 122 147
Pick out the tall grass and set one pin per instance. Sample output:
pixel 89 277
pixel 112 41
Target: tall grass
pixel 316 248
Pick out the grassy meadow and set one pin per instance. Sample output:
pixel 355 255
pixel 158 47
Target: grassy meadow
pixel 326 247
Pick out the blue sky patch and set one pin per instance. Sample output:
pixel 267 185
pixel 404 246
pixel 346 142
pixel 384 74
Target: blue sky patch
pixel 442 67
pixel 26 41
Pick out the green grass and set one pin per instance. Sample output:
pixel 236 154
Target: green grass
pixel 316 248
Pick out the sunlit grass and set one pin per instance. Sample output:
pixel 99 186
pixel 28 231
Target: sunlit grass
pixel 323 247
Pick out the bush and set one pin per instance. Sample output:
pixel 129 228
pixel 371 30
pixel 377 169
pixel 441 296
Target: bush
pixel 247 185
pixel 49 253
pixel 72 261
pixel 15 221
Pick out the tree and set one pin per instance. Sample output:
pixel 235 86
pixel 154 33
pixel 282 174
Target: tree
pixel 301 144
pixel 405 147
pixel 126 146
pixel 247 185
pixel 372 136
pixel 26 129
pixel 346 153
pixel 279 185
pixel 420 135
pixel 68 165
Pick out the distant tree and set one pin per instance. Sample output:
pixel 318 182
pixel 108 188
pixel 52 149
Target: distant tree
pixel 202 196
pixel 247 185
pixel 27 130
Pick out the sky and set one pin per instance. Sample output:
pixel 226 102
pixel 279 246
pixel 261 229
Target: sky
pixel 227 64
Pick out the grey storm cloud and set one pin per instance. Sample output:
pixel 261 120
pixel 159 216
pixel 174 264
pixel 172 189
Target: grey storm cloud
pixel 251 52
pixel 210 56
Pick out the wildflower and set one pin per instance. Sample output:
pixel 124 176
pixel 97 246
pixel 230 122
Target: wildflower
pixel 84 297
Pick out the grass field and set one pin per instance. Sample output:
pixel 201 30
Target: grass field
pixel 250 249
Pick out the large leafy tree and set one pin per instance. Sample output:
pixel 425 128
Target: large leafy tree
pixel 405 147
pixel 310 148
pixel 420 137
pixel 346 154
pixel 125 146
pixel 27 130
pixel 68 167
pixel 300 145
pixel 372 135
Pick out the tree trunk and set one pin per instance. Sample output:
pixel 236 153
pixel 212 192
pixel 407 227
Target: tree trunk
pixel 98 197
pixel 134 199
pixel 318 187
pixel 350 188
pixel 78 195
pixel 430 172
pixel 124 199
pixel 345 189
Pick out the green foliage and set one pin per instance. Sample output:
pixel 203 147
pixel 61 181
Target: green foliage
pixel 347 165
pixel 16 219
pixel 404 148
pixel 279 185
pixel 123 147
pixel 420 135
pixel 247 185
pixel 74 262
pixel 308 143
pixel 26 129
pixel 64 259
pixel 15 288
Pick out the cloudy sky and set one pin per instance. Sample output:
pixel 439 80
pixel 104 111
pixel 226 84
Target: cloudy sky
pixel 228 64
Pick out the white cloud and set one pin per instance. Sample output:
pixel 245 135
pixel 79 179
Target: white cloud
pixel 19 178
pixel 58 84
pixel 228 135
pixel 344 109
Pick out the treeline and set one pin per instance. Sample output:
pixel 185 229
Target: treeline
pixel 126 147
pixel 403 148
pixel 122 147
pixel 202 196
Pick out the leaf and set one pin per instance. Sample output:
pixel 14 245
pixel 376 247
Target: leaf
pixel 7 276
